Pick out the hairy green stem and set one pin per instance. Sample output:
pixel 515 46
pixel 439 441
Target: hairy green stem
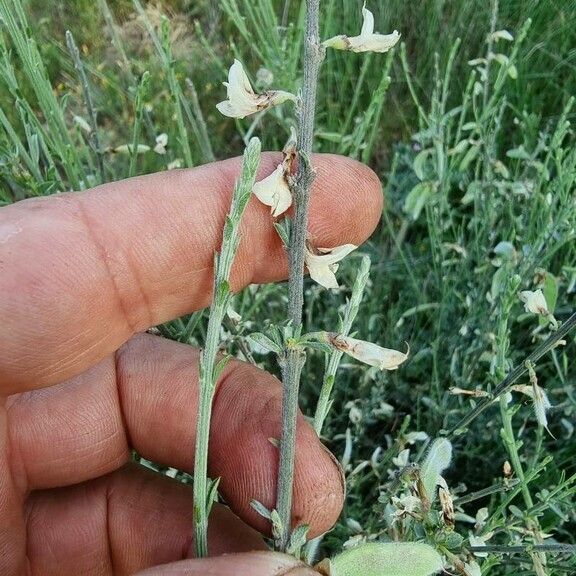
pixel 210 369
pixel 294 357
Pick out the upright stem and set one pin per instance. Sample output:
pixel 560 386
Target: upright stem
pixel 210 369
pixel 294 356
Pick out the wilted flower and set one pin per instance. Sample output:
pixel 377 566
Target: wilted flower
pixel 274 191
pixel 534 302
pixel 161 143
pixel 369 353
pixel 322 263
pixel 540 401
pixel 368 41
pixel 242 100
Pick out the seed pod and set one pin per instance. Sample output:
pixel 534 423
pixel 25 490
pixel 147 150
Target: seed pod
pixel 384 559
pixel 436 462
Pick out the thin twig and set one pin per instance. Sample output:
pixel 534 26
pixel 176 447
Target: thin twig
pixel 93 138
pixel 294 355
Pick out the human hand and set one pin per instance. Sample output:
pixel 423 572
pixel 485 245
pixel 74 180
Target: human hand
pixel 80 276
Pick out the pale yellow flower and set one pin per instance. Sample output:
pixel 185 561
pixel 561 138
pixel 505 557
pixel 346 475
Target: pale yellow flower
pixel 322 263
pixel 369 353
pixel 242 100
pixel 367 41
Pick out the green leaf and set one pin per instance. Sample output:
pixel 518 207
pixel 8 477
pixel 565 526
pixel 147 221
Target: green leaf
pixel 284 228
pixel 550 291
pixel 261 509
pixel 384 559
pixel 212 494
pixel 277 526
pixel 297 540
pixel 417 198
pixel 265 342
pixel 219 368
pixel 470 156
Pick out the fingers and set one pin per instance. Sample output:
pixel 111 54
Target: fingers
pixel 122 523
pixel 83 272
pixel 246 564
pixel 148 400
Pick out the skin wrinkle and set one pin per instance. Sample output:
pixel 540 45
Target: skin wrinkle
pixel 108 497
pixel 102 251
pixel 92 442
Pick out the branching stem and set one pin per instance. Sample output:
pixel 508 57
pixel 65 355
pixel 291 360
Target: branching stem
pixel 210 369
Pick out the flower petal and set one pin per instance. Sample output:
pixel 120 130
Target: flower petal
pixel 369 353
pixel 274 191
pixel 323 266
pixel 323 275
pixel 534 302
pixel 242 100
pixel 374 42
pixel 368 22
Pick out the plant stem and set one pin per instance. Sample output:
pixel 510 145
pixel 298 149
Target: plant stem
pixel 209 368
pixel 94 138
pixel 324 401
pixel 294 356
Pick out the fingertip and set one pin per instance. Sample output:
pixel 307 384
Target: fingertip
pixel 247 564
pixel 346 201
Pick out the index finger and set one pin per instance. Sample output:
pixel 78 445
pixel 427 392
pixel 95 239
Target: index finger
pixel 81 273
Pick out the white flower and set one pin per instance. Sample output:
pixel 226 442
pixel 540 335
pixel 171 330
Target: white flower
pixel 472 568
pixel 534 302
pixel 242 100
pixel 478 542
pixel 161 143
pixel 274 191
pixel 368 41
pixel 369 353
pixel 175 164
pixel 322 263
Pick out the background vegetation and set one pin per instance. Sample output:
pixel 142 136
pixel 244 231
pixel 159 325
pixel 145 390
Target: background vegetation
pixel 477 157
